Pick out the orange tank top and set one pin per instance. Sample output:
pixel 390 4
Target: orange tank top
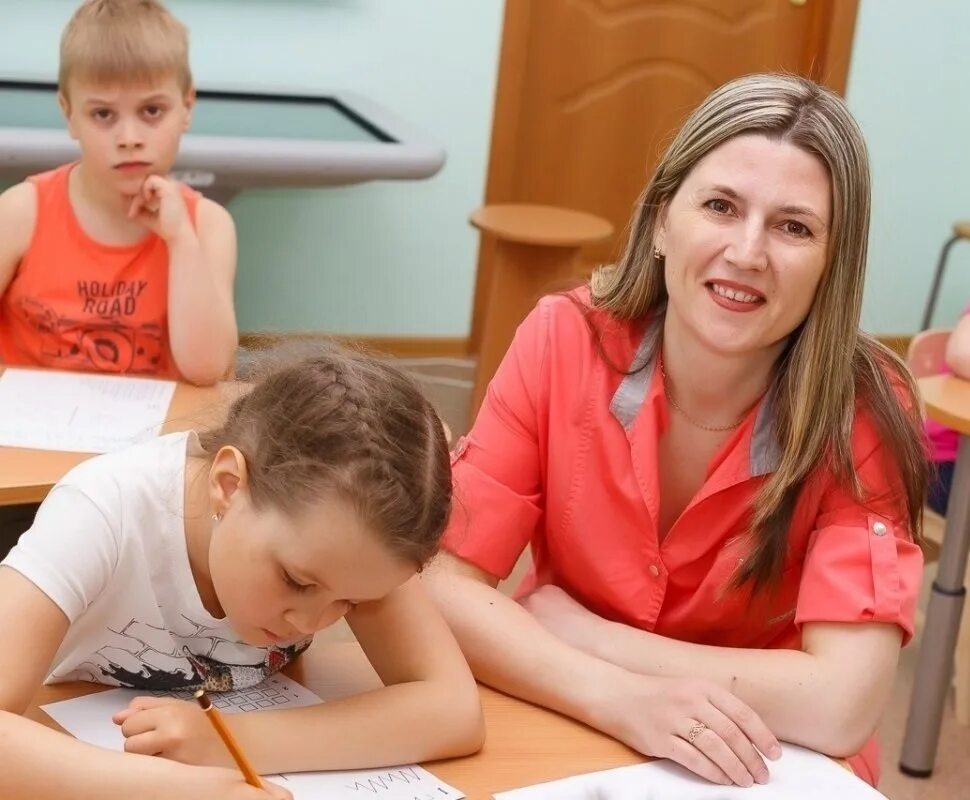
pixel 77 304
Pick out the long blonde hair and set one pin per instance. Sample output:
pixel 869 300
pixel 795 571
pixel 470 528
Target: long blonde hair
pixel 828 360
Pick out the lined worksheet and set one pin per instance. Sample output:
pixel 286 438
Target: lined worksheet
pixel 89 719
pixel 79 412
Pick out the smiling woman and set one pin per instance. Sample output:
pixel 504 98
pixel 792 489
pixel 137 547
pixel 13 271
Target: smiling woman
pixel 720 477
pixel 744 244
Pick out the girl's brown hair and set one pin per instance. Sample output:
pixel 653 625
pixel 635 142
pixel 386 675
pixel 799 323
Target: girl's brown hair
pixel 829 365
pixel 344 423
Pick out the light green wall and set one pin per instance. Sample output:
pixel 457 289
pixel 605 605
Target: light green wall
pixel 398 258
pixel 382 258
pixel 908 88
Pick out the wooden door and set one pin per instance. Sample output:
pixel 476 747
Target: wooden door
pixel 590 91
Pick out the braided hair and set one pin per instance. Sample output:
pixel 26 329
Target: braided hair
pixel 345 423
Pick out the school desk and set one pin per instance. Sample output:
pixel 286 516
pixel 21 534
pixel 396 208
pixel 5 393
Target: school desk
pixel 26 476
pixel 524 745
pixel 240 140
pixel 947 400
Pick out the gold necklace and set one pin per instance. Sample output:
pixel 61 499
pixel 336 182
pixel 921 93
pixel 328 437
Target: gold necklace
pixel 688 417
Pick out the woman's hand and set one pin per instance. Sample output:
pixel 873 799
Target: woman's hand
pixel 696 723
pixel 660 716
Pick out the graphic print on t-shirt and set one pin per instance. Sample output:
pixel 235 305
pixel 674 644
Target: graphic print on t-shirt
pixel 141 656
pixel 101 343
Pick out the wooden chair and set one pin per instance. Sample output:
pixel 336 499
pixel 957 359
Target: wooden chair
pixel 926 357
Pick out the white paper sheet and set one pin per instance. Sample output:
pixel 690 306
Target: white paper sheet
pixel 799 775
pixel 77 412
pixel 89 719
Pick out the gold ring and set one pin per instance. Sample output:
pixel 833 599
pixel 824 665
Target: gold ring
pixel 695 731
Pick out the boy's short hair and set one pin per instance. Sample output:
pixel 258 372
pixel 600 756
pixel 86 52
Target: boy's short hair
pixel 111 42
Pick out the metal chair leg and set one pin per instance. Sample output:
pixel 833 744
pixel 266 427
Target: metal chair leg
pixel 934 290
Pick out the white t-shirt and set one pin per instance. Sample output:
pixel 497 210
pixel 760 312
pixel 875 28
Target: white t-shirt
pixel 108 547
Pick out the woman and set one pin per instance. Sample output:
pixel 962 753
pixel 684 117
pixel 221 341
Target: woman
pixel 720 478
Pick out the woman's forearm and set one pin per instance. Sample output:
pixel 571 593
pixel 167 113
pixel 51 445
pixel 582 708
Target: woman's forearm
pixel 804 698
pixel 809 696
pixel 508 649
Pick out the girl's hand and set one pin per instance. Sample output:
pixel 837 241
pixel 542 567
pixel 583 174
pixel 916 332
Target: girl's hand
pixel 660 716
pixel 208 783
pixel 174 729
pixel 160 207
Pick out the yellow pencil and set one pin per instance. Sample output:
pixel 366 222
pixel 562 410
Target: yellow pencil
pixel 228 739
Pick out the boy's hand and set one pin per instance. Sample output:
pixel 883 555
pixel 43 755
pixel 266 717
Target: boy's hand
pixel 175 729
pixel 160 207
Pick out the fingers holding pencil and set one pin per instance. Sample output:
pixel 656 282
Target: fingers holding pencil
pixel 277 792
pixel 270 791
pixel 184 732
pixel 245 766
pixel 217 783
pixel 172 729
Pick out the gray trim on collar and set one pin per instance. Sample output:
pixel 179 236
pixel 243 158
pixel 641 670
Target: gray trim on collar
pixel 629 397
pixel 765 452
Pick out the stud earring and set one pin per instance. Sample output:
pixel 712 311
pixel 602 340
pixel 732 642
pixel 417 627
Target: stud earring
pixel 217 517
pixel 657 254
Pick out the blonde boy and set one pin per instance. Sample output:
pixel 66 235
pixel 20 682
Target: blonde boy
pixel 107 264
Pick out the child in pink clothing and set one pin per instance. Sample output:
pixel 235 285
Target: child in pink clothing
pixel 943 454
pixel 943 440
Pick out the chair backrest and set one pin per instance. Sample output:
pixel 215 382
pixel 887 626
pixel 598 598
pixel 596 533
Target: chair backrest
pixel 927 352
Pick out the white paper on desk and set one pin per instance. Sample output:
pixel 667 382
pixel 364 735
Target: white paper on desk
pixel 799 775
pixel 89 719
pixel 77 412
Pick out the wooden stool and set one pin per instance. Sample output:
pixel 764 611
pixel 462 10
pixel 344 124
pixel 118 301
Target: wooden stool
pixel 961 230
pixel 537 250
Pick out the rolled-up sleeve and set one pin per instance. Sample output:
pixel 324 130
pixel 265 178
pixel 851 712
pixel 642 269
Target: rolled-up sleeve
pixel 498 466
pixel 862 564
